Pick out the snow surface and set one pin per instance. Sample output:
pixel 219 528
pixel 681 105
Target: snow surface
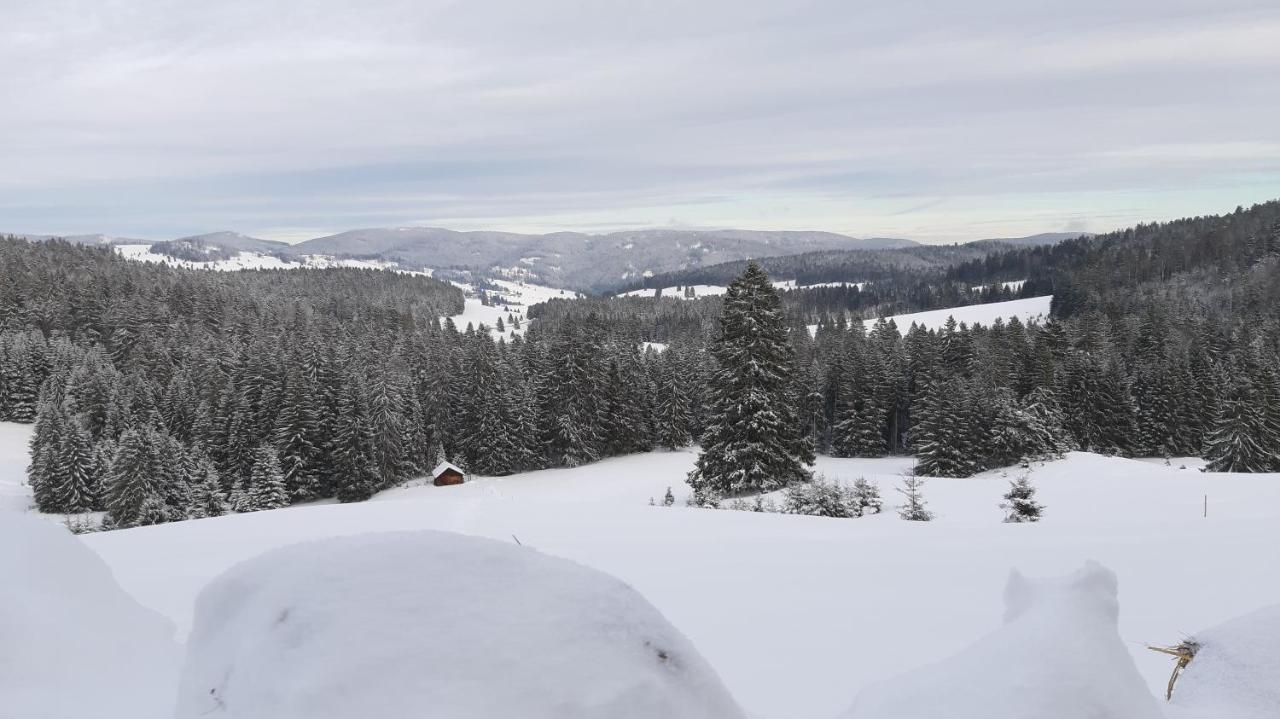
pixel 247 260
pixel 713 290
pixel 435 624
pixel 14 458
pixel 1027 310
pixel 241 261
pixel 1031 308
pixel 1236 671
pixel 519 295
pixel 799 614
pixel 678 292
pixel 72 643
pixel 1057 656
pixel 1013 285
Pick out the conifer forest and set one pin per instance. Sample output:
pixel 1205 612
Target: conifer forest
pixel 160 393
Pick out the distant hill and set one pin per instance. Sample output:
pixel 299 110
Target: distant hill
pixel 577 260
pixel 217 246
pixel 80 239
pixel 1044 239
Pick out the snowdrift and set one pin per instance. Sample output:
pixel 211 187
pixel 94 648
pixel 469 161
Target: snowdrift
pixel 1057 656
pixel 72 643
pixel 435 624
pixel 1235 672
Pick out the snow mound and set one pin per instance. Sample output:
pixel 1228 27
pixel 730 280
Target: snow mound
pixel 1236 671
pixel 72 643
pixel 1057 656
pixel 435 624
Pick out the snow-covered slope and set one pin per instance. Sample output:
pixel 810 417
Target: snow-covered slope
pixel 715 290
pixel 240 261
pixel 433 624
pixel 1031 308
pixel 513 300
pixel 1057 656
pixel 72 643
pixel 797 614
pixel 1235 672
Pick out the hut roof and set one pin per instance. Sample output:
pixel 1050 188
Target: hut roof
pixel 445 467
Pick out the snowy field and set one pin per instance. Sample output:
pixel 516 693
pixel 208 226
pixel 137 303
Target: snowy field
pixel 1029 309
pixel 713 290
pixel 519 296
pixel 797 614
pixel 258 261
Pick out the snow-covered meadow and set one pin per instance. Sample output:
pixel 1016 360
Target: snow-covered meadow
pixel 517 297
pixel 798 614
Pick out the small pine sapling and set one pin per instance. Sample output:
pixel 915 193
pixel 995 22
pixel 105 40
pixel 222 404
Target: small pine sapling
pixel 867 496
pixel 1020 502
pixel 913 509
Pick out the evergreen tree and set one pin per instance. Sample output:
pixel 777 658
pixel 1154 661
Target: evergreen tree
pixel 298 439
pixel 913 506
pixel 77 482
pixel 1020 502
pixel 867 497
pixel 355 473
pixel 1240 439
pixel 134 496
pixel 753 442
pixel 674 415
pixel 267 480
pixel 944 433
pixel 207 499
pixel 490 421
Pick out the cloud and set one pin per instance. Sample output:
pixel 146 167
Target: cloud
pixel 157 117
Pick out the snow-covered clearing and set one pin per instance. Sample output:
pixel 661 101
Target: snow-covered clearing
pixel 14 458
pixel 713 290
pixel 518 297
pixel 244 260
pixel 1012 286
pixel 1027 310
pixel 798 614
pixel 1031 308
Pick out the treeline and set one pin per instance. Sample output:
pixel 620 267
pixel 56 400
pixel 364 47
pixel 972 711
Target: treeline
pixel 161 393
pixel 146 381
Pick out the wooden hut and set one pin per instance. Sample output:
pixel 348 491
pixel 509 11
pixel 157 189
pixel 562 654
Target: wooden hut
pixel 446 473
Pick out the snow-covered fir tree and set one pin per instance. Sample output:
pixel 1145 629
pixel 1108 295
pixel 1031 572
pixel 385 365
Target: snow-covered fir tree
pixel 266 481
pixel 1020 501
pixel 134 495
pixel 1240 438
pixel 913 504
pixel 753 442
pixel 945 432
pixel 867 497
pixel 674 415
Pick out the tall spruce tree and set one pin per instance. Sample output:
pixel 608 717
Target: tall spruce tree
pixel 753 441
pixel 1240 439
pixel 134 496
pixel 674 415
pixel 266 480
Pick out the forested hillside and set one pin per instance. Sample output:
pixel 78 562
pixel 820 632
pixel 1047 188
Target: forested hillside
pixel 161 393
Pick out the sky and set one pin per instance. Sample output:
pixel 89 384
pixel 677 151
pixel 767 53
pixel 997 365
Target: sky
pixel 936 121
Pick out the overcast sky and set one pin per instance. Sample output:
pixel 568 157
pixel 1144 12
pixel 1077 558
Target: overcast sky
pixel 937 121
